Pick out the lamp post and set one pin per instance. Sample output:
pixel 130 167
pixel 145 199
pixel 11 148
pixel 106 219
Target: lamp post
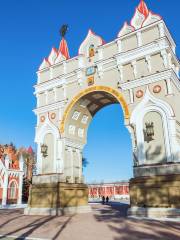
pixel 149 131
pixel 44 149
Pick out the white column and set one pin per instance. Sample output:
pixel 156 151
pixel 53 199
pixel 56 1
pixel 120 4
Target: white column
pixel 80 77
pixel 131 96
pixel 165 58
pixel 100 53
pixel 161 30
pixel 46 97
pixel 64 91
pixel 59 163
pixel 71 165
pixel 20 189
pixel 119 43
pixel 79 163
pixel 139 39
pixel 65 68
pixel 5 189
pixel 37 97
pixel 55 94
pixel 134 64
pixel 169 87
pixel 148 60
pixel 100 70
pixel 120 69
pixel 39 159
pixel 51 73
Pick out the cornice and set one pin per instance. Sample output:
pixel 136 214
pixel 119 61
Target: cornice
pixel 149 49
pixel 165 75
pixel 73 143
pixel 49 107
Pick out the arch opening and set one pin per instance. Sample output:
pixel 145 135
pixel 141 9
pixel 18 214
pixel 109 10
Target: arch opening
pixel 77 123
pixel 108 152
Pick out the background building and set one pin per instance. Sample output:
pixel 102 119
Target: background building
pixel 15 168
pixel 115 190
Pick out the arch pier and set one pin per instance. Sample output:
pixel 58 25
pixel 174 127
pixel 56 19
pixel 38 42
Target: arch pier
pixel 138 70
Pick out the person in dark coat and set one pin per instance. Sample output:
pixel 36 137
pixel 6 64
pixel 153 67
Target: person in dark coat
pixel 103 199
pixel 107 199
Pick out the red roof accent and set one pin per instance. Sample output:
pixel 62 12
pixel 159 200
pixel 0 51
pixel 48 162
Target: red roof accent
pixel 63 48
pixel 30 150
pixel 143 8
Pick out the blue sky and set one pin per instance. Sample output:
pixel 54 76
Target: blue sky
pixel 29 29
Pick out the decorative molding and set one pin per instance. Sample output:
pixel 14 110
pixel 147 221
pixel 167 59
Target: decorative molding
pixel 167 74
pixel 114 92
pixel 92 37
pixel 125 30
pixel 47 127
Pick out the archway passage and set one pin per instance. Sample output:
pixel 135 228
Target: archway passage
pixel 76 128
pixel 108 152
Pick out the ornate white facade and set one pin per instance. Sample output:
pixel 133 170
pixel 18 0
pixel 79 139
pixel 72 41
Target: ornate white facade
pixel 139 70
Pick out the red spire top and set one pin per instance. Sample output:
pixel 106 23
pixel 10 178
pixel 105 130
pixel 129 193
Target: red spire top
pixel 63 48
pixel 143 8
pixel 30 150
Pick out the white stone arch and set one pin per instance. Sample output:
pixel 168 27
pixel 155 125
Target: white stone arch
pixel 153 104
pixel 47 128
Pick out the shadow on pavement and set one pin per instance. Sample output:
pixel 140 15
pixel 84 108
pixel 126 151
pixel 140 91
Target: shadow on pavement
pixel 115 215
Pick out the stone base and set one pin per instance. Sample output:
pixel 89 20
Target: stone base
pixel 155 213
pixel 155 192
pixel 58 211
pixel 57 198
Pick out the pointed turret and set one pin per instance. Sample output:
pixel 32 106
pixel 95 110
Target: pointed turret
pixel 30 150
pixel 63 48
pixel 143 8
pixel 143 16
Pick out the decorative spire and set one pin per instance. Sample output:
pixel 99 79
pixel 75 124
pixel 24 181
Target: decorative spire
pixel 30 150
pixel 143 8
pixel 143 16
pixel 63 47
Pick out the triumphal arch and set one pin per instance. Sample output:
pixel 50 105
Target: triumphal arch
pixel 138 70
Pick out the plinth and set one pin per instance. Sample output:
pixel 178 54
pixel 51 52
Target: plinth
pixel 155 196
pixel 53 197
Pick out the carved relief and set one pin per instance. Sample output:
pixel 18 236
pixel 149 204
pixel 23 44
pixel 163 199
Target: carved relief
pixel 42 119
pixel 157 89
pixel 53 116
pixel 139 94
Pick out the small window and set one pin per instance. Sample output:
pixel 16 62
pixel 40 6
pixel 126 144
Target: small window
pixel 91 51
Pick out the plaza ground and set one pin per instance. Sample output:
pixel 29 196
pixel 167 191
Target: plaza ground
pixel 105 222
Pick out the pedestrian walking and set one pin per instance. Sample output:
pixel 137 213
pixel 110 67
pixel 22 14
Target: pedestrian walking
pixel 103 199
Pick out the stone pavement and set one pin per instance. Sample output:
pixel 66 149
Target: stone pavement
pixel 103 223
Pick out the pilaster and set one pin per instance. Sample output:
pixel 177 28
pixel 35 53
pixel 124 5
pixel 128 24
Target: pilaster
pixel 5 189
